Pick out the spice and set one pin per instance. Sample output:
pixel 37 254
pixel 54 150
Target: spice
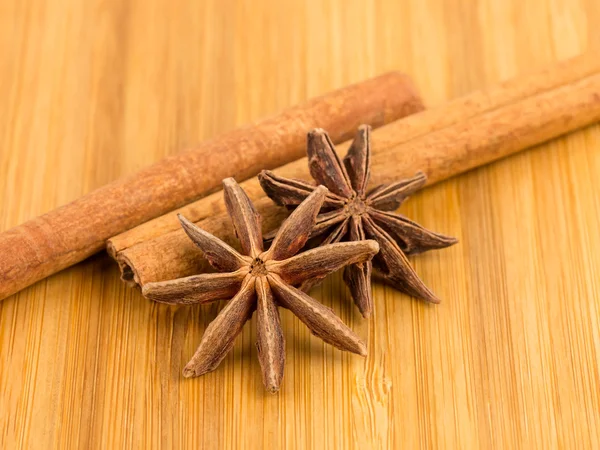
pixel 442 142
pixel 351 213
pixel 75 231
pixel 468 109
pixel 262 280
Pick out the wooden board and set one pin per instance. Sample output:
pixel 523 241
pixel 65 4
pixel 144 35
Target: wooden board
pixel 93 90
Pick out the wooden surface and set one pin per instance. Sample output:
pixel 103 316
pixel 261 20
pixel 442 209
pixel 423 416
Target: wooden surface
pixel 93 90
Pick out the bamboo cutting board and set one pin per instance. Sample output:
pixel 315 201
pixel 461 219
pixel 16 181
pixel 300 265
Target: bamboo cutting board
pixel 94 90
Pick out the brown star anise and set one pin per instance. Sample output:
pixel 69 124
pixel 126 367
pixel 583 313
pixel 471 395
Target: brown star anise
pixel 350 213
pixel 262 280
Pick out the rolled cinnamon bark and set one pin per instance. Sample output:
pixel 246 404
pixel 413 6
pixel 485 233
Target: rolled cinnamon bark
pixel 458 110
pixel 67 235
pixel 470 140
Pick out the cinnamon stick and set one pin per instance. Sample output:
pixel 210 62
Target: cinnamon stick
pixel 67 235
pixel 494 97
pixel 470 140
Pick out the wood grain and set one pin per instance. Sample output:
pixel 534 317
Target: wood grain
pixel 96 90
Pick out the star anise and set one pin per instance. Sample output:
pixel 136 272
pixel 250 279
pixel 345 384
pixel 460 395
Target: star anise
pixel 262 280
pixel 351 213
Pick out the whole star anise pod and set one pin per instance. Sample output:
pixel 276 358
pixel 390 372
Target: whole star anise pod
pixel 262 280
pixel 351 213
